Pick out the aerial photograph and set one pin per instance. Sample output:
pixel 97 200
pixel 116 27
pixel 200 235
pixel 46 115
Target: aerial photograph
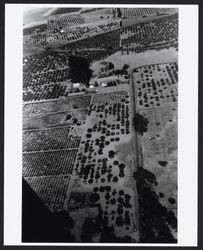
pixel 100 116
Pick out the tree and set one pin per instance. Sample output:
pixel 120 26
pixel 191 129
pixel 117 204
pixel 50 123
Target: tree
pixel 79 70
pixel 111 154
pixel 121 192
pixel 75 120
pixel 155 218
pixel 63 223
pixel 119 221
pixel 120 210
pixel 140 123
pixel 87 230
pixel 119 12
pixel 125 68
pixel 115 179
pixel 163 163
pixel 94 197
pixel 107 196
pixel 120 200
pixel 68 117
pixel 64 220
pixel 118 72
pixel 127 220
pixel 172 200
pixel 113 201
pixel 111 65
pixel 108 235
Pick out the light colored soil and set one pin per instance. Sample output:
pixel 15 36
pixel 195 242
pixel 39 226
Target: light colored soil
pixel 162 148
pixel 123 151
pixel 141 59
pixel 35 16
pixel 159 143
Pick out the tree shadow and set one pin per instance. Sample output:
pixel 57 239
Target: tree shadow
pixel 156 221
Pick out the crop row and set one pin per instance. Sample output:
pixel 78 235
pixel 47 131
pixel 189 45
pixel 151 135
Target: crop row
pixel 51 190
pixel 48 163
pixel 67 103
pixel 56 138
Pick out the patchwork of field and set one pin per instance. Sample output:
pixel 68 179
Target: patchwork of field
pixel 82 148
pixel 51 138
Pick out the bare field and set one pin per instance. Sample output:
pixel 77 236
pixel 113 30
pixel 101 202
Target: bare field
pixel 141 59
pixel 159 146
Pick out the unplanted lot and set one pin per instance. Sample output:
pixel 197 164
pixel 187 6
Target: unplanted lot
pixel 159 146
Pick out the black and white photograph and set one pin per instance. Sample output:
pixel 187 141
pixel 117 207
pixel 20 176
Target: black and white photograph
pixel 100 99
pixel 100 125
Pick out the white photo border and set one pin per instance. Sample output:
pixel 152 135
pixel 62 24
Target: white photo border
pixel 187 124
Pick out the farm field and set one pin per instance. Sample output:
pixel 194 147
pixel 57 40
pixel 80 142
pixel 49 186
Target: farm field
pixel 65 21
pixel 159 143
pixel 50 149
pixel 144 12
pixel 160 33
pixel 100 114
pixel 156 85
pixel 57 119
pixel 45 92
pixel 48 139
pixel 70 103
pixel 45 78
pixel 51 190
pixel 159 148
pixel 141 59
pixel 95 47
pixel 42 163
pixel 100 164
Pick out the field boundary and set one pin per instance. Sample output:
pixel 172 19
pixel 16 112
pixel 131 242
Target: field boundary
pixel 50 150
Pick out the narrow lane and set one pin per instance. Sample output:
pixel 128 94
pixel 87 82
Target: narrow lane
pixel 137 152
